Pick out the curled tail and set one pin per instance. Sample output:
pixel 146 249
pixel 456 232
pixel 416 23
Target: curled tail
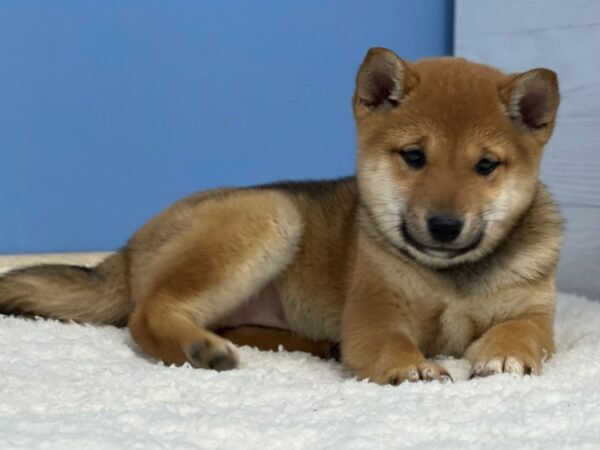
pixel 97 295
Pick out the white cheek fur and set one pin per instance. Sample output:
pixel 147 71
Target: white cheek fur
pixel 382 196
pixel 504 206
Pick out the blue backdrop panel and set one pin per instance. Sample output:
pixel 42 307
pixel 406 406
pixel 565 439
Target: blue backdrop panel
pixel 111 110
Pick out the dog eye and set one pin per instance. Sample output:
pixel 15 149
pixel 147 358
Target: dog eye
pixel 486 166
pixel 415 158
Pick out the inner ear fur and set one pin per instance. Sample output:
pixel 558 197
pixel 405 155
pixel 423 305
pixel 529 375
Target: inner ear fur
pixel 531 99
pixel 383 81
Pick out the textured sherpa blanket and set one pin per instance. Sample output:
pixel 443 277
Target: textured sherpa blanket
pixel 68 386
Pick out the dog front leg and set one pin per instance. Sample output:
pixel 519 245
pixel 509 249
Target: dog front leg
pixel 376 342
pixel 514 346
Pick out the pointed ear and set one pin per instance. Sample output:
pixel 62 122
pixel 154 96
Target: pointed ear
pixel 531 100
pixel 383 81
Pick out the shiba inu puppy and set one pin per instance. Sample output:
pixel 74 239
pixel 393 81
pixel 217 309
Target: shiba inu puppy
pixel 445 242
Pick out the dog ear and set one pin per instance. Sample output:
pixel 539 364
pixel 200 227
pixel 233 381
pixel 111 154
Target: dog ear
pixel 383 81
pixel 531 100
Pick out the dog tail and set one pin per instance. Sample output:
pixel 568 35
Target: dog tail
pixel 97 295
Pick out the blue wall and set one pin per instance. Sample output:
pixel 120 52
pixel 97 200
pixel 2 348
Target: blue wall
pixel 111 110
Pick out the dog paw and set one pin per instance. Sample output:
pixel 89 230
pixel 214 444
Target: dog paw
pixel 485 367
pixel 424 371
pixel 216 354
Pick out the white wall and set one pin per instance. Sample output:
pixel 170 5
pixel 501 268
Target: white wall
pixel 564 35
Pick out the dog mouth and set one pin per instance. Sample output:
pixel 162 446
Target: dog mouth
pixel 440 251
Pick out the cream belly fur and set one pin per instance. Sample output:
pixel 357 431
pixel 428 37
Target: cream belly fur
pixel 269 309
pixel 262 309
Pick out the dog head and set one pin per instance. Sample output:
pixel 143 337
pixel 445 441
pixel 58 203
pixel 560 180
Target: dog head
pixel 449 151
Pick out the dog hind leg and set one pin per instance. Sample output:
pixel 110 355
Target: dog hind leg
pixel 234 246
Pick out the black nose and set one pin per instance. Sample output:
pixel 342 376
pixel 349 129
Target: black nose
pixel 444 229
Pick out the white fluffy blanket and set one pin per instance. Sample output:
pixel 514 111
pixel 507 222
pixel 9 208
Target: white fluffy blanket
pixel 68 386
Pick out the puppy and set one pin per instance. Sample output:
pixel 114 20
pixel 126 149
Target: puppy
pixel 445 242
